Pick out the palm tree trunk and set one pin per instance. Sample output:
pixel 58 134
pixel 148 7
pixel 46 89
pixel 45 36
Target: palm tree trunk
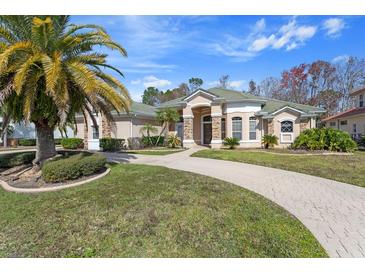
pixel 159 136
pixel 45 142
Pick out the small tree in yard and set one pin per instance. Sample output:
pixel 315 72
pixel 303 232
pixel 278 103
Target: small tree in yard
pixel 165 117
pixel 269 140
pixel 174 140
pixel 231 142
pixel 148 128
pixel 49 72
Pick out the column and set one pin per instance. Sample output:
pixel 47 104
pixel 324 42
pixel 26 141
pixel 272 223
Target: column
pixel 188 127
pixel 270 126
pixel 216 113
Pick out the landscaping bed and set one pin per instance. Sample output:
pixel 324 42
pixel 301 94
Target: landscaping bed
pixel 150 211
pixel 67 168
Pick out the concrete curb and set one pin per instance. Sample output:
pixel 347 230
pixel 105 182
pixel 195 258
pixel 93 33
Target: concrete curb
pixel 9 188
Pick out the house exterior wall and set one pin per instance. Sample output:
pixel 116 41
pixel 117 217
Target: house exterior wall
pixel 357 98
pixel 284 140
pixel 359 120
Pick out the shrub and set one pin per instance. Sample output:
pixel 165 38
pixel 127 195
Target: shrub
pixel 27 142
pixel 135 143
pixel 112 144
pixel 72 143
pixel 231 142
pixel 325 139
pixel 269 140
pixel 72 167
pixel 151 141
pixel 57 141
pixel 16 159
pixel 174 140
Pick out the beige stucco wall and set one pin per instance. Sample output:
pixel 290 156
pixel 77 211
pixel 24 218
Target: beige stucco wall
pixel 291 116
pixel 357 98
pixel 245 116
pixel 138 123
pixel 199 100
pixel 359 120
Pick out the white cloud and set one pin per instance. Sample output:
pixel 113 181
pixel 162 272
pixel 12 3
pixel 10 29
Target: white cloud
pixel 136 82
pixel 260 25
pixel 334 26
pixel 153 81
pixel 236 84
pixel 288 36
pixel 340 58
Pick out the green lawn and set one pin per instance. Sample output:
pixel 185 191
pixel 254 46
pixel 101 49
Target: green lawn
pixel 344 168
pixel 146 211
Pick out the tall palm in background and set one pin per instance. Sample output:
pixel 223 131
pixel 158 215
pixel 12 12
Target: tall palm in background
pixel 50 71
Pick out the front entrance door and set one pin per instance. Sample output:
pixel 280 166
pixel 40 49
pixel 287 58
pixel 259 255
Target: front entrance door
pixel 207 130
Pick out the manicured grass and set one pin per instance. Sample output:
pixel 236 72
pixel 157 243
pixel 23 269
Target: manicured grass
pixel 344 168
pixel 147 211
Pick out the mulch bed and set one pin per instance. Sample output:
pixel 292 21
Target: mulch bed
pixel 23 177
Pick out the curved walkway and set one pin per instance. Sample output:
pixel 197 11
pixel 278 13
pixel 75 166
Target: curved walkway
pixel 334 212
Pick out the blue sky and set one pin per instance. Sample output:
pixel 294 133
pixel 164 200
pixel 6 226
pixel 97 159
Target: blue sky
pixel 164 51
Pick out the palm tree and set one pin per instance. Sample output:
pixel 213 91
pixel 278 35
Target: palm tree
pixel 166 116
pixel 148 128
pixel 49 71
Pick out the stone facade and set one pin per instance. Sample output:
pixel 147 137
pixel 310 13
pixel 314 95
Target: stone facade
pixel 188 128
pixel 304 124
pixel 216 128
pixel 270 126
pixel 106 127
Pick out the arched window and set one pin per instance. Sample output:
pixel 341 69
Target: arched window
pixel 237 128
pixel 286 126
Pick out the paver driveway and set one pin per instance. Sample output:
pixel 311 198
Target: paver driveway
pixel 334 212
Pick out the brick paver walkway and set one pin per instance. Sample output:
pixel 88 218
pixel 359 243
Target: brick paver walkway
pixel 334 212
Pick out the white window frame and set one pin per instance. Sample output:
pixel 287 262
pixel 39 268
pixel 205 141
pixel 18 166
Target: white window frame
pixel 232 119
pixel 286 133
pixel 252 119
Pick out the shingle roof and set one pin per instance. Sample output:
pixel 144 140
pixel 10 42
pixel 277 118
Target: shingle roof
pixel 347 113
pixel 140 109
pixel 270 105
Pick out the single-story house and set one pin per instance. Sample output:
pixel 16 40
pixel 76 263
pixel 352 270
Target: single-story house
pixel 124 126
pixel 352 120
pixel 207 117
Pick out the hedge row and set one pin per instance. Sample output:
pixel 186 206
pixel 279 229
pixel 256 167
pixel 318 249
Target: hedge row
pixel 111 144
pixel 16 159
pixel 72 143
pixel 27 142
pixel 151 141
pixel 72 167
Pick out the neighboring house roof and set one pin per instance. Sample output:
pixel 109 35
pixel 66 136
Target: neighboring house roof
pixel 347 113
pixel 139 109
pixel 270 105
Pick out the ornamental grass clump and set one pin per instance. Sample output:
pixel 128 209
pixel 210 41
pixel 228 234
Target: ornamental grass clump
pixel 231 142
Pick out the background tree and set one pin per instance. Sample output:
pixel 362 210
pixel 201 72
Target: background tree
pixel 294 84
pixel 165 117
pixel 195 83
pixel 49 72
pixel 224 81
pixel 350 74
pixel 328 99
pixel 151 96
pixel 252 89
pixel 321 77
pixel 269 87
